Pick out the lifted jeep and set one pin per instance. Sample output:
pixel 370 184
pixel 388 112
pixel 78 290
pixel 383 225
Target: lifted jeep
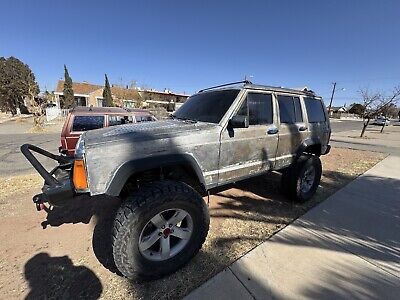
pixel 162 169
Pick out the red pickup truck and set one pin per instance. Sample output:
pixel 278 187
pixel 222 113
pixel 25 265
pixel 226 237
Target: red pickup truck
pixel 81 119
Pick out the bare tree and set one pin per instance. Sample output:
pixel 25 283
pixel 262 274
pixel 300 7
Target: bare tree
pixel 376 103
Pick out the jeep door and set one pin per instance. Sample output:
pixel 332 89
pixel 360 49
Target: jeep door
pixel 248 151
pixel 292 129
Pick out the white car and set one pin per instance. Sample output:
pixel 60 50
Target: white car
pixel 381 121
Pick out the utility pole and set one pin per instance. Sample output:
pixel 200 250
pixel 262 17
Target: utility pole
pixel 333 93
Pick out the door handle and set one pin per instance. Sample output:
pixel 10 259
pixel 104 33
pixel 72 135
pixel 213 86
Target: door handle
pixel 273 130
pixel 302 128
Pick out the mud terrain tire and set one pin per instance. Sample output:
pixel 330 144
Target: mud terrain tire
pixel 294 176
pixel 136 213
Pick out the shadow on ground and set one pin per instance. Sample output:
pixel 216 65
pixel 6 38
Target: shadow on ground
pixel 254 207
pixel 57 278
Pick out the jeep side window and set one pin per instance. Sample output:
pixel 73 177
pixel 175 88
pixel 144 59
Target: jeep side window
pixel 259 108
pixel 315 110
pixel 84 123
pixel 290 109
pixel 114 120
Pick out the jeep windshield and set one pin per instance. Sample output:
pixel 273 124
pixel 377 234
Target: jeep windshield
pixel 207 107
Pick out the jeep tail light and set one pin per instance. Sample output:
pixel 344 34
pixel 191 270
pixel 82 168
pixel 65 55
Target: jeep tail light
pixel 79 175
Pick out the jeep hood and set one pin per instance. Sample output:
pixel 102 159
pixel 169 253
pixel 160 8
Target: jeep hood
pixel 145 131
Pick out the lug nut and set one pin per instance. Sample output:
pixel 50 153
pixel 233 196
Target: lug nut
pixel 170 225
pixel 159 233
pixel 163 227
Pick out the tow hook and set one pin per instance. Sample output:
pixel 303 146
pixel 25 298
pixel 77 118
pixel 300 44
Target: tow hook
pixel 39 202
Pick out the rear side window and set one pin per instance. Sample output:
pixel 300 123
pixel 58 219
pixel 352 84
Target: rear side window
pixel 144 119
pixel 119 120
pixel 315 110
pixel 84 123
pixel 290 109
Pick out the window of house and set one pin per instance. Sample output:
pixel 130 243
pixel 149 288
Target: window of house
pixel 80 101
pixel 315 110
pixel 84 123
pixel 290 109
pixel 258 107
pixel 100 102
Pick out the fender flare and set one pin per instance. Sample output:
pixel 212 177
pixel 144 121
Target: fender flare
pixel 307 143
pixel 131 167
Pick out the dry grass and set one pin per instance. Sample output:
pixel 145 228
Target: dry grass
pixel 16 186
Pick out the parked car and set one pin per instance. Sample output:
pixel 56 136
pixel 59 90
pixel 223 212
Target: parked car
pixel 381 121
pixel 162 169
pixel 81 119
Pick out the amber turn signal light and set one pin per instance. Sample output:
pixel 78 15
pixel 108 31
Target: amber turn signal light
pixel 79 175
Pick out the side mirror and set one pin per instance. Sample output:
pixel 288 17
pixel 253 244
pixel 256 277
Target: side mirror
pixel 239 121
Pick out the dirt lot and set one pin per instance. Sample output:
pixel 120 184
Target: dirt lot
pixel 70 257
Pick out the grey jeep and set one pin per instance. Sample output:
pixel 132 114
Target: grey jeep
pixel 162 169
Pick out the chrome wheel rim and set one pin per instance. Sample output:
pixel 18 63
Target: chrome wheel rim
pixel 307 180
pixel 166 234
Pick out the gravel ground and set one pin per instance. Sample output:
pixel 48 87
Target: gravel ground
pixel 70 258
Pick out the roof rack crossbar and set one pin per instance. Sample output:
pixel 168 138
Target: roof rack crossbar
pixel 226 84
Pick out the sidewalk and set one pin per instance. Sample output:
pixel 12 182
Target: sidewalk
pixel 348 247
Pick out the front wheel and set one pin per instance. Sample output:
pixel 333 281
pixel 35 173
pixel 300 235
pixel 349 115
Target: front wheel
pixel 300 182
pixel 159 229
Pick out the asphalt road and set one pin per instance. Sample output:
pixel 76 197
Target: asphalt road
pixel 13 135
pixel 345 125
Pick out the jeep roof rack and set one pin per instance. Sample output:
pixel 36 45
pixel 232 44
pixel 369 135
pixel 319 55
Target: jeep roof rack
pixel 226 84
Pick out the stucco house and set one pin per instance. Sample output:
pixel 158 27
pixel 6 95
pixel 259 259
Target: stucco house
pixel 87 94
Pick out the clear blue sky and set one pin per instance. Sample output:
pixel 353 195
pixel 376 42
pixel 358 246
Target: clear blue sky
pixel 187 45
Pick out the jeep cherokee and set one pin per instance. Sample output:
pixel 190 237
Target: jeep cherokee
pixel 162 169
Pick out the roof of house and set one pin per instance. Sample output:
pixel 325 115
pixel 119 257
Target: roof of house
pixel 83 88
pixel 164 93
pixel 124 93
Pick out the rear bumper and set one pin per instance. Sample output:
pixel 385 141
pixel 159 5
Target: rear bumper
pixel 58 188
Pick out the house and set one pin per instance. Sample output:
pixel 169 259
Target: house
pixel 84 93
pixel 151 95
pixel 338 109
pixel 87 94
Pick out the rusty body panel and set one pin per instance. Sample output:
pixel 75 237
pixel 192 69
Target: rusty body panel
pixel 218 153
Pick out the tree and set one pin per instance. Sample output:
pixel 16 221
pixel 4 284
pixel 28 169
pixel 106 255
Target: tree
pixel 375 104
pixel 17 83
pixel 69 99
pixel 357 109
pixel 107 96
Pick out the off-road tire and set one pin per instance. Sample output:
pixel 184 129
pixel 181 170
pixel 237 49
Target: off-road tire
pixel 135 213
pixel 291 178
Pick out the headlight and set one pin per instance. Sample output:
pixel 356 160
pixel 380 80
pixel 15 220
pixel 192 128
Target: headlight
pixel 80 147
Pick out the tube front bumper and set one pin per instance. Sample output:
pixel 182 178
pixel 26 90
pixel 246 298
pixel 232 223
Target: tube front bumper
pixel 58 188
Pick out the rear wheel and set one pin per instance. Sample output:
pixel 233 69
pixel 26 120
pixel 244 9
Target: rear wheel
pixel 158 229
pixel 300 181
